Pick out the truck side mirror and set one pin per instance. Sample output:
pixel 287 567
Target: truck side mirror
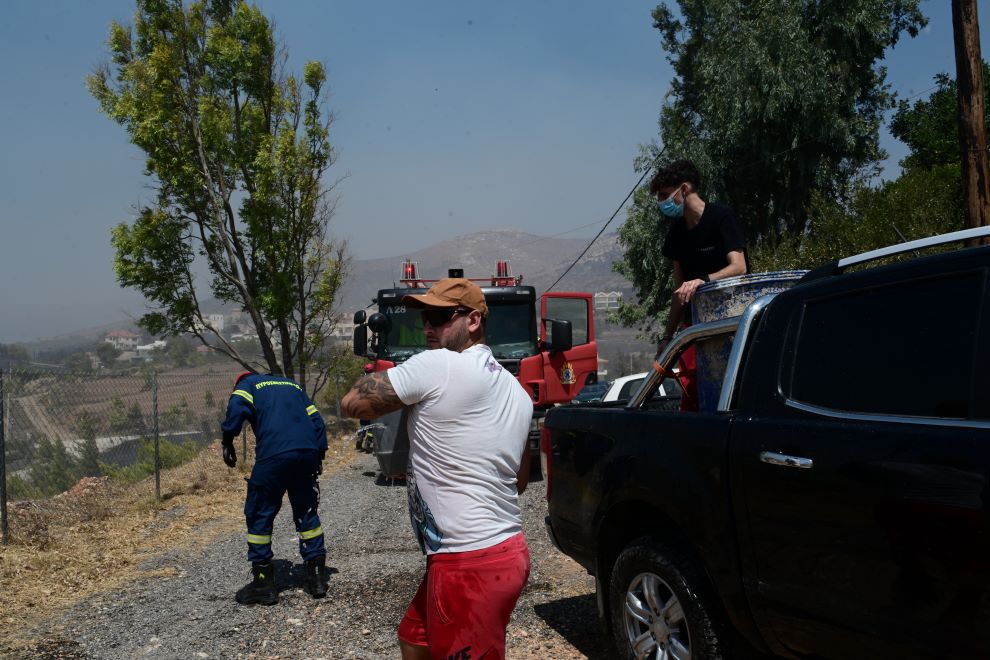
pixel 360 339
pixel 561 336
pixel 380 323
pixel 360 317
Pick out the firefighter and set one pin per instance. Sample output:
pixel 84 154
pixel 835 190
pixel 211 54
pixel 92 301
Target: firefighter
pixel 291 443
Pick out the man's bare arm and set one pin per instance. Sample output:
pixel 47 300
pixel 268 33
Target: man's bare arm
pixel 676 306
pixel 522 476
pixel 372 396
pixel 736 266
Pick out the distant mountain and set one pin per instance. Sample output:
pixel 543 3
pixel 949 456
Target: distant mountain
pixel 539 259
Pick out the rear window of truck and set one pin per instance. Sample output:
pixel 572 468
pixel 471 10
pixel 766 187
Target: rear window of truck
pixel 903 349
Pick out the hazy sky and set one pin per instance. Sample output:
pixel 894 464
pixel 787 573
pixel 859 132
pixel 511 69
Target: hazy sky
pixel 452 117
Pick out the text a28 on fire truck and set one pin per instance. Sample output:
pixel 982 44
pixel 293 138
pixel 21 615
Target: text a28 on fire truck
pixel 553 356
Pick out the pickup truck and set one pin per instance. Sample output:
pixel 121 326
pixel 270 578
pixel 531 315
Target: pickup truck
pixel 836 504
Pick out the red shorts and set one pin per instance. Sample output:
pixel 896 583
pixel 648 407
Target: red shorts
pixel 463 604
pixel 688 376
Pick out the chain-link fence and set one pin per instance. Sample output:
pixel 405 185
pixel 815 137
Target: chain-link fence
pixel 59 428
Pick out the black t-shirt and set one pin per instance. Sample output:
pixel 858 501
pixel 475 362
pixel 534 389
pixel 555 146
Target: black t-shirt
pixel 701 250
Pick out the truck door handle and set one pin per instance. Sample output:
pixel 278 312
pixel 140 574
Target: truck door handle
pixel 773 458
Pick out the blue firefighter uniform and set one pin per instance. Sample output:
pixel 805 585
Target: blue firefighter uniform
pixel 291 442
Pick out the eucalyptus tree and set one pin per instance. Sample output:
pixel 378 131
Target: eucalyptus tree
pixel 237 150
pixel 776 101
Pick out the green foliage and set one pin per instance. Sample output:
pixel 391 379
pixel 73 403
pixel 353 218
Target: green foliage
pixel 87 424
pixel 117 418
pixel 79 362
pixel 930 127
pixel 210 426
pixel 135 419
pixel 179 353
pixel 107 353
pixel 52 468
pixel 19 488
pixel 147 378
pixel 918 204
pixel 170 454
pixel 642 264
pixel 925 200
pixel 176 417
pixel 89 460
pixel 238 151
pixel 777 100
pixel 123 419
pixel 344 370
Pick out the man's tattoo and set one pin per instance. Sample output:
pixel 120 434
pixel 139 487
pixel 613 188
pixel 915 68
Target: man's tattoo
pixel 377 393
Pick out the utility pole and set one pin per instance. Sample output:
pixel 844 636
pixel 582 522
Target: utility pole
pixel 972 113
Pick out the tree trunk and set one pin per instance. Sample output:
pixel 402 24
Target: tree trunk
pixel 972 113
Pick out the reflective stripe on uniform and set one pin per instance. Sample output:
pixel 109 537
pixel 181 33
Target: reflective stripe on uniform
pixel 260 539
pixel 312 410
pixel 244 394
pixel 311 533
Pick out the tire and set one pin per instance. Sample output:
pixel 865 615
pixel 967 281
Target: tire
pixel 661 605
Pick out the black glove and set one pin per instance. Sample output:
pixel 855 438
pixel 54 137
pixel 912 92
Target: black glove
pixel 319 465
pixel 229 455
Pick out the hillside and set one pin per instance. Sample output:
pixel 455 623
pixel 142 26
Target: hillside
pixel 539 259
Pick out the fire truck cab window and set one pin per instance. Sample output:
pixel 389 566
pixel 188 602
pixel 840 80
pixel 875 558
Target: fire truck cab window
pixel 574 310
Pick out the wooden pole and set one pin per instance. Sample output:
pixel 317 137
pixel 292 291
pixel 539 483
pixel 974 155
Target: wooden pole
pixel 972 113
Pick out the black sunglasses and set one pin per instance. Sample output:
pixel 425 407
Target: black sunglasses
pixel 439 317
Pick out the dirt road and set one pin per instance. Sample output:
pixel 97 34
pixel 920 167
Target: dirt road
pixel 376 568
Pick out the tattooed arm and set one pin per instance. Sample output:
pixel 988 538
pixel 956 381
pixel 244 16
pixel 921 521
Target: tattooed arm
pixel 372 396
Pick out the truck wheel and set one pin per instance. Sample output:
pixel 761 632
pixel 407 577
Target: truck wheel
pixel 660 605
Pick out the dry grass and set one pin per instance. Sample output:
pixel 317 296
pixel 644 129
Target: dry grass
pixel 95 537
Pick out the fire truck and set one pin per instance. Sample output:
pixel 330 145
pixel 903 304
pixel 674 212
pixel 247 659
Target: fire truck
pixel 550 349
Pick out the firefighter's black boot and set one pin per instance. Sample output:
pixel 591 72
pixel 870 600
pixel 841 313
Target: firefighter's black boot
pixel 316 577
pixel 261 590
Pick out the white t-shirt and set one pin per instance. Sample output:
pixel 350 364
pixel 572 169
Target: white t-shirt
pixel 468 423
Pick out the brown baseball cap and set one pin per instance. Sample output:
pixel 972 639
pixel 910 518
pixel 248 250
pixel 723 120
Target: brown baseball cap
pixel 450 292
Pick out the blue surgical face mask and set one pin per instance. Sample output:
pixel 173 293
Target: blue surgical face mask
pixel 670 208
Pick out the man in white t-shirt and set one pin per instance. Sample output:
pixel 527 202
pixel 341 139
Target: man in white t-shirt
pixel 468 462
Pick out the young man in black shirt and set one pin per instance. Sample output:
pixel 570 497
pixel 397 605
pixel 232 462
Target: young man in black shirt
pixel 705 243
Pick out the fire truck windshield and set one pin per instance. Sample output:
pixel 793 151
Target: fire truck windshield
pixel 406 337
pixel 510 331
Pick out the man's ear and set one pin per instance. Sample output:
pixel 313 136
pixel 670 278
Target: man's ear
pixel 474 321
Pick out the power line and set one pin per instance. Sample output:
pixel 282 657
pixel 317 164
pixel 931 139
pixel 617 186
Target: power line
pixel 632 191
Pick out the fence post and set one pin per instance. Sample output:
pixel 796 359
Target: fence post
pixel 4 524
pixel 336 395
pixel 154 422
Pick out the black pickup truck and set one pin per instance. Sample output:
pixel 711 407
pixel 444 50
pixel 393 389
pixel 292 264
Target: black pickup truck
pixel 836 503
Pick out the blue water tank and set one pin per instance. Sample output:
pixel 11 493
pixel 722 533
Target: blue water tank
pixel 723 299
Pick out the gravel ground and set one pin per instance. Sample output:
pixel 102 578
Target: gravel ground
pixel 376 567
